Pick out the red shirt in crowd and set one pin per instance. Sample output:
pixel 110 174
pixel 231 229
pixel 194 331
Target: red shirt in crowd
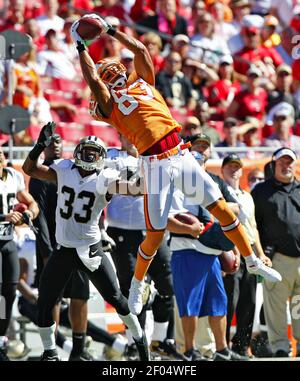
pixel 246 56
pixel 296 69
pixel 251 104
pixel 116 11
pixel 220 90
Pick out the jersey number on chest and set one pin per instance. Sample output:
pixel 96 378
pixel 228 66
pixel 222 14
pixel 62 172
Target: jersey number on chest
pixel 70 198
pixel 127 103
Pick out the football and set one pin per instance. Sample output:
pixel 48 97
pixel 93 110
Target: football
pixel 186 218
pixel 20 207
pixel 89 28
pixel 227 261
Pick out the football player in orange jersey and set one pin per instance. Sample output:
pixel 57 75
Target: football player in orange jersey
pixel 137 110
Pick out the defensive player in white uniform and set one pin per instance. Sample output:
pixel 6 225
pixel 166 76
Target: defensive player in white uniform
pixel 84 189
pixel 12 191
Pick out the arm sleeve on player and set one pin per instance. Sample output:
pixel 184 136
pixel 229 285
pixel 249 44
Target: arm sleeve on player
pixel 43 241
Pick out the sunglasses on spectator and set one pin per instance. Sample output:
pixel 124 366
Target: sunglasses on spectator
pixel 253 75
pixel 251 34
pixel 191 126
pixel 283 74
pixel 280 117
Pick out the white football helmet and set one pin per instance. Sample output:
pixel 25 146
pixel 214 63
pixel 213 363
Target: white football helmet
pixel 89 154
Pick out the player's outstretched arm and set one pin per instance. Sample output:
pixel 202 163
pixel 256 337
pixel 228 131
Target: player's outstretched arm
pixel 142 60
pixel 31 166
pixel 89 72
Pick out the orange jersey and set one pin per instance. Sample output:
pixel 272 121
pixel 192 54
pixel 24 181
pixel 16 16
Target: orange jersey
pixel 28 77
pixel 139 113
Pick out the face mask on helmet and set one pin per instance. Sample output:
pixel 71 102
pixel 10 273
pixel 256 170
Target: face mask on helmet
pixel 90 153
pixel 112 73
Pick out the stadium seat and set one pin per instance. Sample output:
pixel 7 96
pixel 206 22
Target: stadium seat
pixel 55 116
pixel 297 128
pixel 82 116
pixel 104 131
pixel 58 96
pixel 48 83
pixel 34 131
pixel 67 85
pixel 70 132
pixel 3 138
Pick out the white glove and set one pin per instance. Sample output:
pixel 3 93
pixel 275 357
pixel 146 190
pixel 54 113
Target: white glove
pixel 104 24
pixel 107 242
pixel 74 34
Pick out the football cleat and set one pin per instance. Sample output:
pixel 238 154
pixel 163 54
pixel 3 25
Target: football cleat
pixel 82 356
pixel 50 355
pixel 167 350
pixel 142 348
pixel 135 299
pixel 259 268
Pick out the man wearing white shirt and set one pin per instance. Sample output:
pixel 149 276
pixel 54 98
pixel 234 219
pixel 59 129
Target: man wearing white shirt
pixel 53 61
pixel 50 20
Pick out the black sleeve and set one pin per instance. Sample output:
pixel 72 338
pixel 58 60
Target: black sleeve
pixel 163 85
pixel 188 88
pixel 181 26
pixel 43 241
pixel 258 208
pixel 38 191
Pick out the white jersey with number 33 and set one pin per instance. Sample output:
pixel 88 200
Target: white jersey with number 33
pixel 80 203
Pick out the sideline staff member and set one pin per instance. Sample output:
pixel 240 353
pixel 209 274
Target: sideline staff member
pixel 277 212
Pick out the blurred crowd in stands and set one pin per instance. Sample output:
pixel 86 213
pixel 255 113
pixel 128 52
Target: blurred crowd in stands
pixel 227 68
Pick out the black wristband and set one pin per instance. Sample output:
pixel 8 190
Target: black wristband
pixel 80 47
pixel 111 31
pixel 35 152
pixel 2 217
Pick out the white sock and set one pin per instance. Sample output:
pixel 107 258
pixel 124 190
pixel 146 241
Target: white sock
pixel 119 344
pixel 129 337
pixel 251 260
pixel 160 331
pixel 48 337
pixel 3 341
pixel 131 321
pixel 67 346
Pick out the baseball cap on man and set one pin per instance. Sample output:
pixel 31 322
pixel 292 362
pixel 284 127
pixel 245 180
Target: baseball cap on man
pixel 200 138
pixel 254 70
pixel 181 38
pixel 284 152
pixel 226 59
pixel 230 122
pixel 232 158
pixel 284 68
